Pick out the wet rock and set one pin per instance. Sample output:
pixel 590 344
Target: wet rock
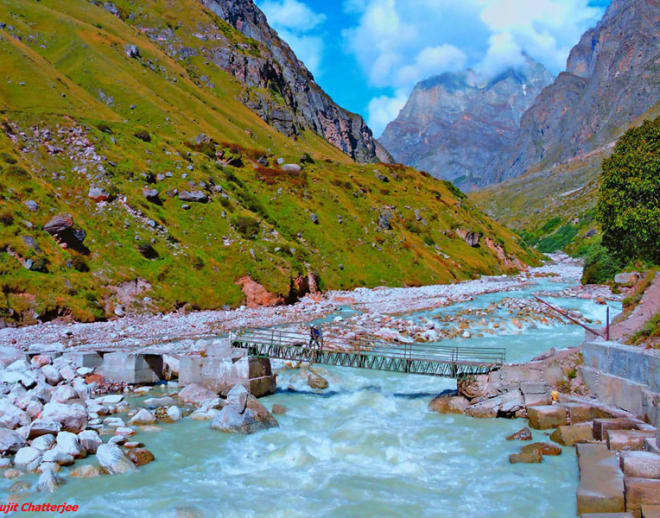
pixel 174 413
pixel 278 409
pixel 68 443
pixel 196 394
pixel 229 420
pixel 49 482
pixel 316 381
pixel 142 417
pixel 155 402
pixel 529 457
pixel 27 458
pixel 141 456
pixel 10 441
pixel 11 474
pixel 570 435
pixel 89 440
pixel 525 434
pixel 504 405
pixel 113 460
pixel 543 448
pixel 43 442
pixel 58 457
pixel 86 471
pixel 73 418
pixel 449 404
pixel 237 397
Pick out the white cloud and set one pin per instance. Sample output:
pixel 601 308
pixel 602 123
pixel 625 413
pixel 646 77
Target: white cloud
pixel 384 109
pixel 292 20
pixel 400 42
pixel 291 14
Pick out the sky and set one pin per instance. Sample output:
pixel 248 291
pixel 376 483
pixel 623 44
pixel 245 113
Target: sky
pixel 369 54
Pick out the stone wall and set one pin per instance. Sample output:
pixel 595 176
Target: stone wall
pixel 624 376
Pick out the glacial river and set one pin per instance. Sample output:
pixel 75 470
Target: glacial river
pixel 367 446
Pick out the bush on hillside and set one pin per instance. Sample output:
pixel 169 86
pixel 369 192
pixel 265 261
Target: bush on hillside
pixel 246 226
pixel 628 206
pixel 600 266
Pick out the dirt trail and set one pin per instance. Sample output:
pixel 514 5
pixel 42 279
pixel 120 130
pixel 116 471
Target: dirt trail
pixel 649 306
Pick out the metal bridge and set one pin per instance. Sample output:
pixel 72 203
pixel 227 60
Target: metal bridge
pixel 412 358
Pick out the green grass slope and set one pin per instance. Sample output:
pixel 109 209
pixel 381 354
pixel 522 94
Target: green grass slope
pixel 77 112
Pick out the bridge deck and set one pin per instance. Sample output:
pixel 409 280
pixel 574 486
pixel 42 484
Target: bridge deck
pixel 415 358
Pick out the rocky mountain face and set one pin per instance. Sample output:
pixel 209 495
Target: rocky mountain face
pixel 280 88
pixel 612 77
pixel 460 127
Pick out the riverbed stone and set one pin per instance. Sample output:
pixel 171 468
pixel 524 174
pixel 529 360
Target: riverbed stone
pixel 641 491
pixel 600 489
pixel 544 448
pixel 43 442
pixel 526 457
pixel 155 402
pixel 67 442
pixel 86 471
pixel 113 460
pixel 196 394
pixel 64 394
pixel 278 409
pixel 11 416
pixel 316 381
pixel 524 434
pixel 142 417
pixel 27 458
pixel 174 413
pixel 238 397
pixel 89 440
pixel 640 464
pixel 72 417
pixel 449 404
pixel 570 435
pixel 10 441
pixel 628 439
pixel 49 482
pixel 545 417
pixel 59 457
pixel 141 456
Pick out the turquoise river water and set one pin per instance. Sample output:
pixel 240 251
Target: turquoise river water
pixel 367 446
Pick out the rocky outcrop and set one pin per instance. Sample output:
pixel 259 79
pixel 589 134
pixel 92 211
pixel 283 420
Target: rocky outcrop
pixel 277 85
pixel 460 126
pixel 611 79
pixel 256 295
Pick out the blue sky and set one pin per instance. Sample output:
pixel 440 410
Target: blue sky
pixel 369 54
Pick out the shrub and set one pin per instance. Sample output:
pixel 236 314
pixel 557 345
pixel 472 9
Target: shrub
pixel 558 240
pixel 454 190
pixel 6 218
pixel 18 171
pixel 246 226
pixel 600 266
pixel 78 263
pixel 628 207
pixel 143 135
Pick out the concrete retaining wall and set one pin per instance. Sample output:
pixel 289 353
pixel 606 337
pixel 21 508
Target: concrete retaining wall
pixel 624 376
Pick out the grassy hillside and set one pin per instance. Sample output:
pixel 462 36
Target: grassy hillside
pixel 552 206
pixel 78 111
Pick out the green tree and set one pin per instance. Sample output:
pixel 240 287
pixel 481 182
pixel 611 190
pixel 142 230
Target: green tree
pixel 629 200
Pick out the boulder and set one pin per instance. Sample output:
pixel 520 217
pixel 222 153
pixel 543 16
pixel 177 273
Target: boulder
pixel 196 394
pixel 98 194
pixel 316 381
pixel 44 427
pixel 10 441
pixel 142 417
pixel 86 471
pixel 141 456
pixel 570 435
pixel 278 409
pixel 43 442
pixel 543 448
pixel 472 239
pixel 89 440
pixel 63 394
pixel 155 402
pixel 113 460
pixel 627 278
pixel 68 443
pixel 291 168
pixel 261 412
pixel 174 413
pixel 525 434
pixel 449 404
pixel 194 196
pixel 73 418
pixel 384 220
pixel 238 398
pixel 504 405
pixel 58 457
pixel 151 195
pixel 229 420
pixel 528 457
pixel 27 458
pixel 52 374
pixel 11 416
pixel 49 482
pixel 546 416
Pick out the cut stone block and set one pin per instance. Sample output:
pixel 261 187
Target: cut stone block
pixel 627 439
pixel 582 412
pixel 132 368
pixel 641 491
pixel 650 511
pixel 91 360
pixel 616 423
pixel 640 464
pixel 546 416
pixel 601 487
pixel 570 435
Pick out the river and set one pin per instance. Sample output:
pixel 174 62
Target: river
pixel 367 446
